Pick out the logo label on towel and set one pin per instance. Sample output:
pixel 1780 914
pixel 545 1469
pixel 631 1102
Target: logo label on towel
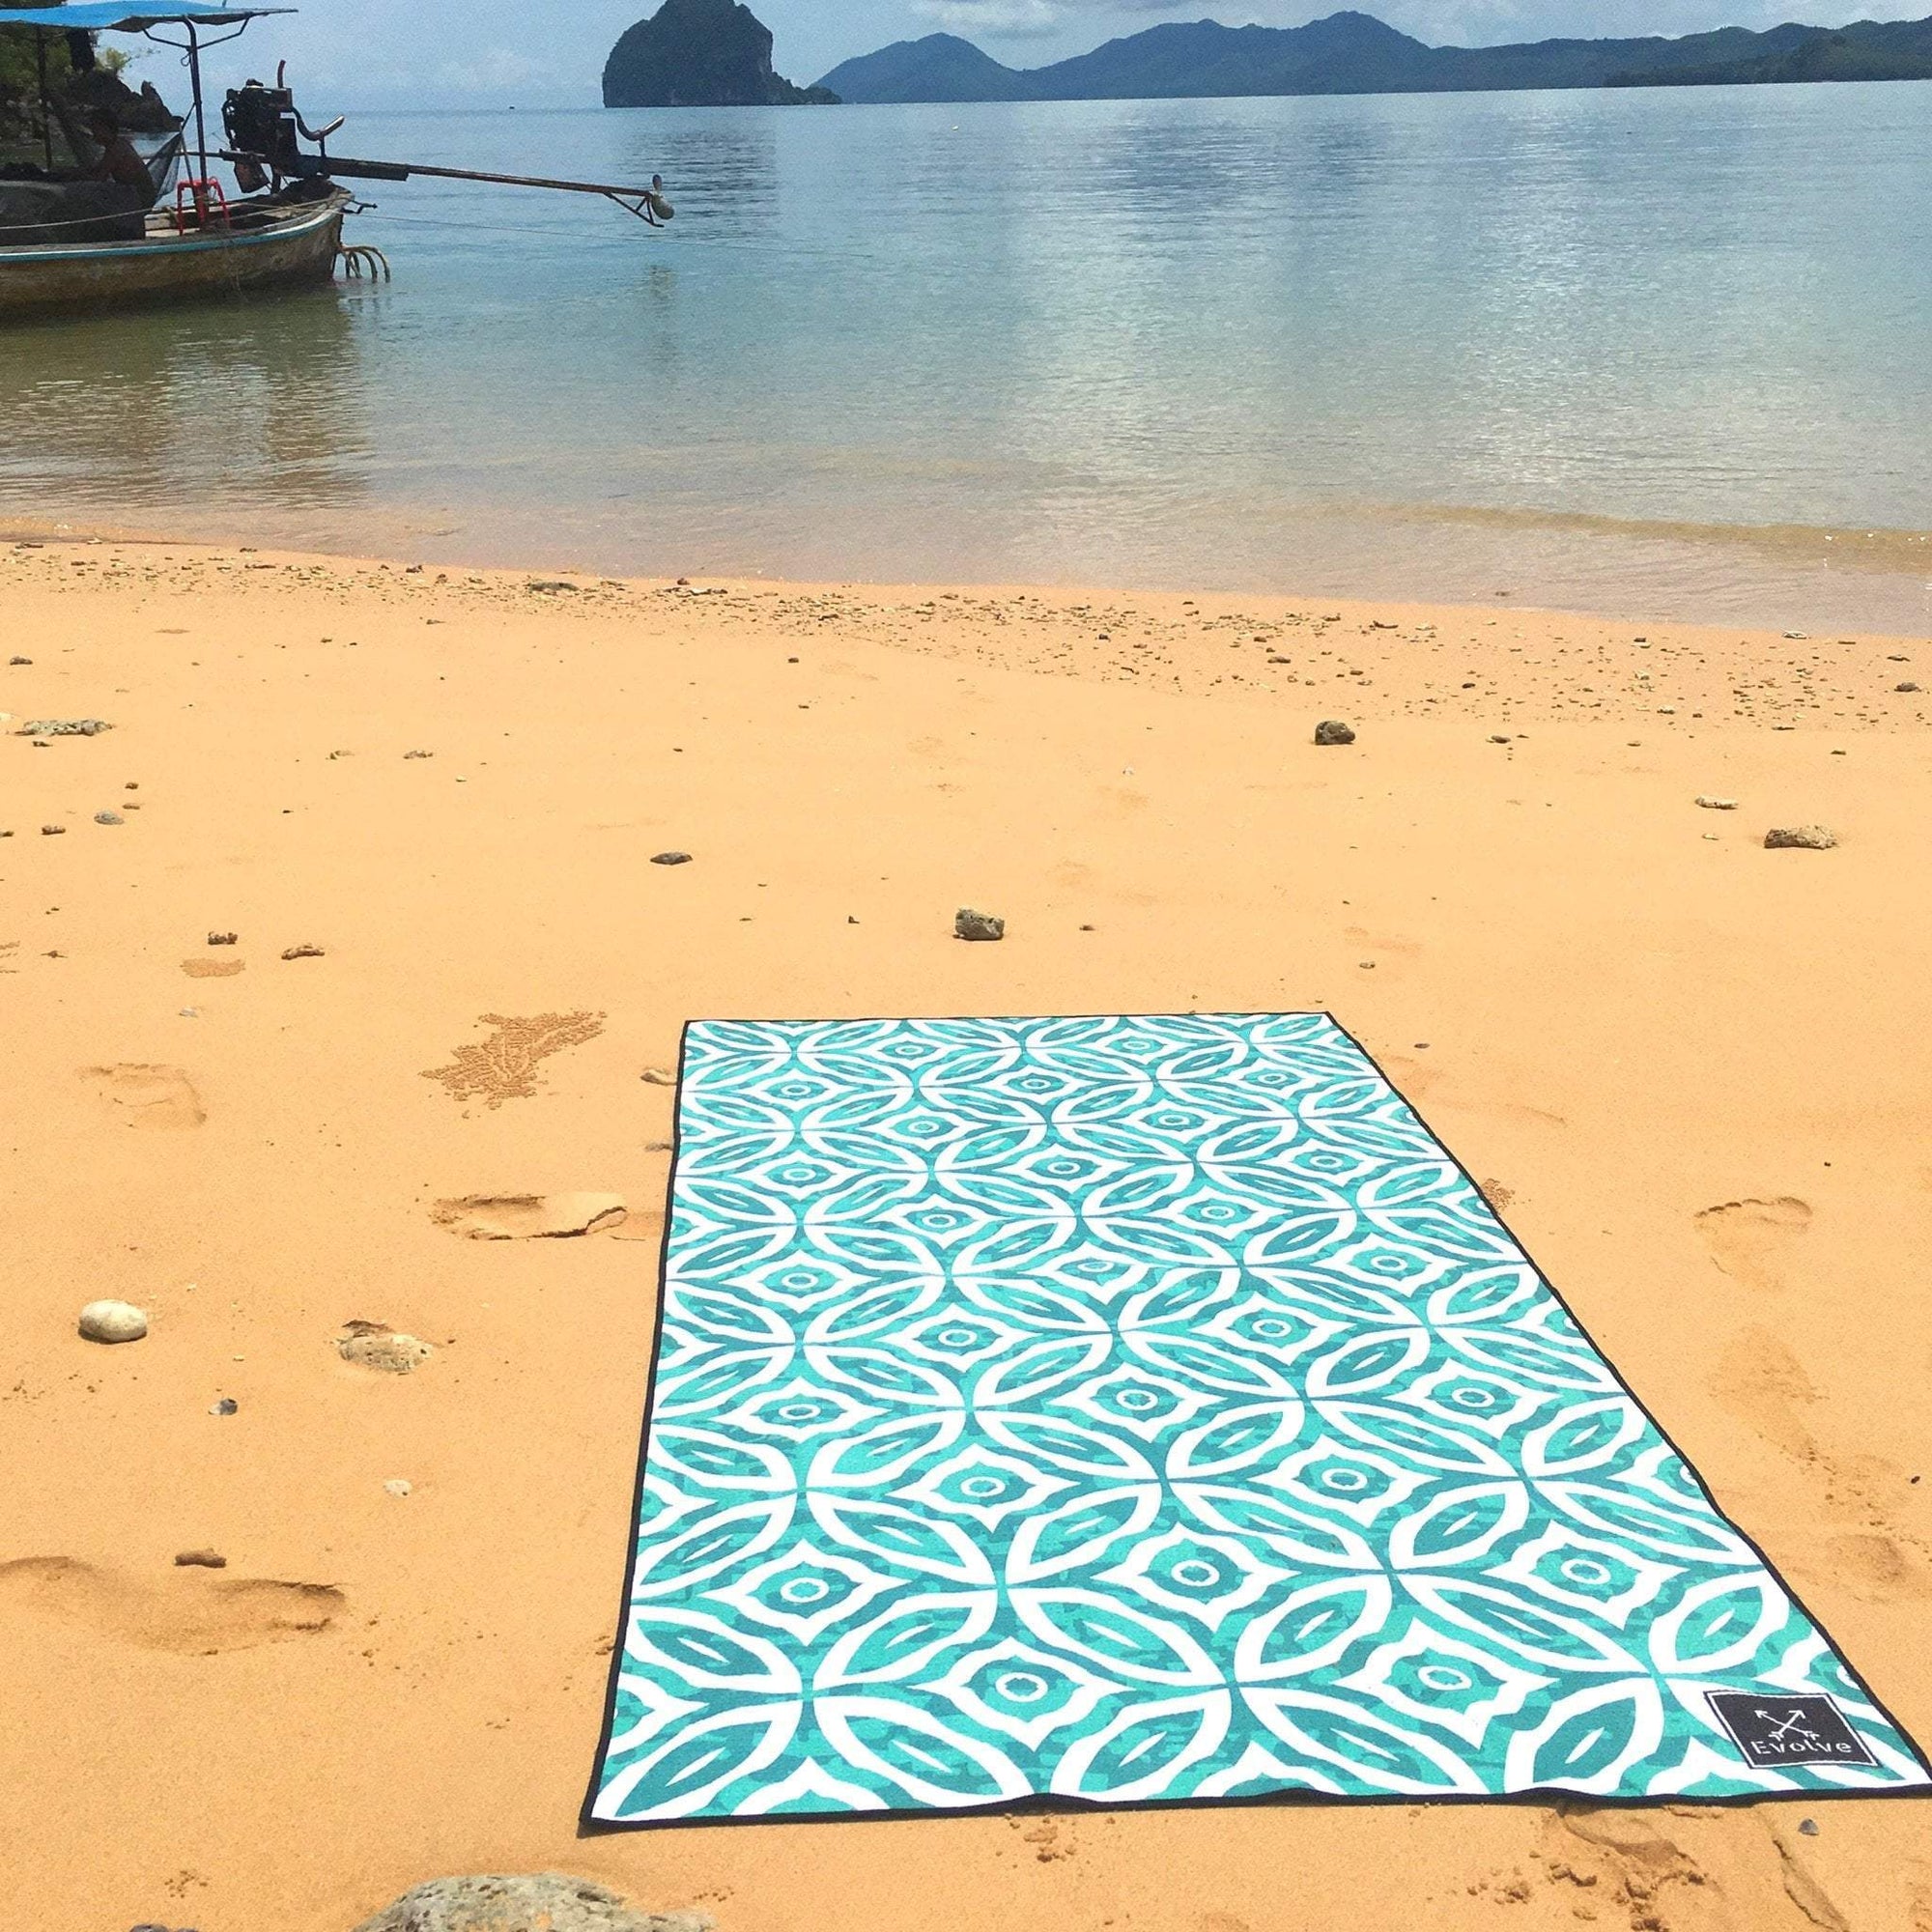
pixel 1778 1730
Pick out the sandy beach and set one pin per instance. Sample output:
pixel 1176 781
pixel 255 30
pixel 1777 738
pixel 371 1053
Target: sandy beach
pixel 1689 1071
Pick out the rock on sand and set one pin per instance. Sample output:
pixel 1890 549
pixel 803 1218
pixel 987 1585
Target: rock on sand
pixel 540 1902
pixel 1800 838
pixel 970 925
pixel 375 1345
pixel 113 1322
pixel 1332 731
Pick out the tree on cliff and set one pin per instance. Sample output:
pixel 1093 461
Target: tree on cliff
pixel 78 73
pixel 700 53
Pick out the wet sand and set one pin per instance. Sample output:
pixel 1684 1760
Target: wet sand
pixel 1692 1072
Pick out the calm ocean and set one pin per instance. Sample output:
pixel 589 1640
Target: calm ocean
pixel 1665 350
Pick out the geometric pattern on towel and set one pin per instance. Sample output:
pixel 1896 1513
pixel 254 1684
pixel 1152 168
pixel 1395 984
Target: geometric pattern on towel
pixel 1128 1410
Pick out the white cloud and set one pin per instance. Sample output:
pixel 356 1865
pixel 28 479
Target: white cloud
pixel 993 19
pixel 494 71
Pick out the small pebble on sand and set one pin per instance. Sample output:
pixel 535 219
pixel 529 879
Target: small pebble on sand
pixel 52 830
pixel 670 858
pixel 1332 731
pixel 113 1322
pixel 659 1076
pixel 398 1486
pixel 227 1406
pixel 199 1559
pixel 1711 803
pixel 1800 838
pixel 1908 685
pixel 222 938
pixel 108 818
pixel 970 925
pixel 303 952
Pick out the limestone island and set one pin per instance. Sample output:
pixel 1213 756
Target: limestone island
pixel 701 53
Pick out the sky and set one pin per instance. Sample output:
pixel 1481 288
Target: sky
pixel 538 53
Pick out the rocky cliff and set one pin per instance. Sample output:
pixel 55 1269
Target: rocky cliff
pixel 700 53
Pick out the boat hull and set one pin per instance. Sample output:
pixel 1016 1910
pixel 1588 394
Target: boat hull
pixel 293 248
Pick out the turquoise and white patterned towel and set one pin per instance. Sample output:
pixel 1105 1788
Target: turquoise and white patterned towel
pixel 1150 1410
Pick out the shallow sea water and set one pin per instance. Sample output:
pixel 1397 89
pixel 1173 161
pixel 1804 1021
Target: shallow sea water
pixel 1665 350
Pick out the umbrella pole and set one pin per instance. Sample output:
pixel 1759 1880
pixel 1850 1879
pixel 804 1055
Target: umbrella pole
pixel 46 111
pixel 200 120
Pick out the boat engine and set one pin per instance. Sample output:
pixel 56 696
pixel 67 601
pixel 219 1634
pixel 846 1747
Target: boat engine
pixel 262 125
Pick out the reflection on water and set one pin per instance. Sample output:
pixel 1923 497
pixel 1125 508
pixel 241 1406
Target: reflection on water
pixel 1666 351
pixel 210 410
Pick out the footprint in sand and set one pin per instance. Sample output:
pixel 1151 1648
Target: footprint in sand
pixel 189 1611
pixel 1633 1856
pixel 1763 1383
pixel 1413 1078
pixel 642 1227
pixel 1749 1240
pixel 148 1097
pixel 504 1067
pixel 1360 935
pixel 525 1218
pixel 1873 1565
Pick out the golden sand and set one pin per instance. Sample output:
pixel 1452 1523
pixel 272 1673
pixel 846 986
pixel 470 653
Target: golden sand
pixel 1695 1071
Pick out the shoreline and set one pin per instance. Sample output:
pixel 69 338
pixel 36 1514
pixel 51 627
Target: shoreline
pixel 1578 564
pixel 1689 1071
pixel 1672 675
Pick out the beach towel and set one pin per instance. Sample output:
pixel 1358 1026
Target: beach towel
pixel 1135 1410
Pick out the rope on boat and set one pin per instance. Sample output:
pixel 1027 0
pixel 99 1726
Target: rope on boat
pixel 360 260
pixel 72 221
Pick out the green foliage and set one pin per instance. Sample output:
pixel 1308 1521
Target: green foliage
pixel 19 69
pixel 1900 50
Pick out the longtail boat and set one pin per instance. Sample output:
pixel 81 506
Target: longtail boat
pixel 61 250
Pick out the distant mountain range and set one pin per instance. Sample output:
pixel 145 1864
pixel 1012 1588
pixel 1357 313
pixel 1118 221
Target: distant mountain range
pixel 1354 53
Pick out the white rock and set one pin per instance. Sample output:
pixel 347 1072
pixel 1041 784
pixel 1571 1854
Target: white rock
pixel 518 1902
pixel 113 1322
pixel 397 1485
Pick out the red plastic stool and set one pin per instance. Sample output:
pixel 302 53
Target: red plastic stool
pixel 208 199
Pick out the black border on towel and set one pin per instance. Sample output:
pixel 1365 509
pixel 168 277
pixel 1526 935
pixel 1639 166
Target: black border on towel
pixel 1061 1803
